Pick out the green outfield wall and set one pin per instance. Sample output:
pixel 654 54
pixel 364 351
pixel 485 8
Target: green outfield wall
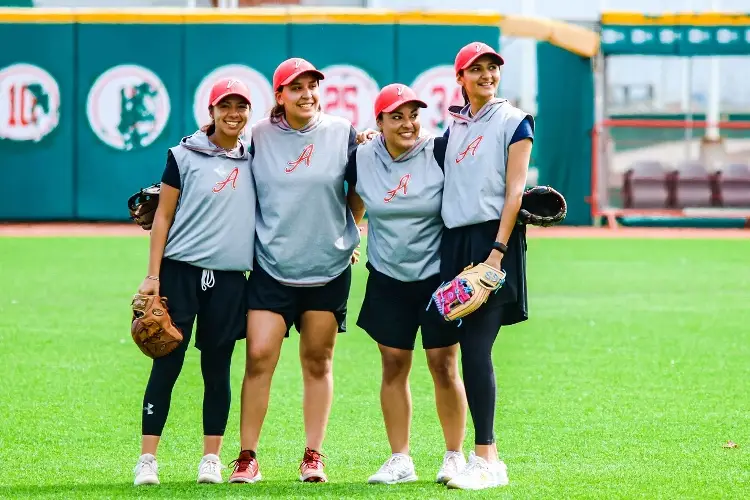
pixel 90 100
pixel 89 109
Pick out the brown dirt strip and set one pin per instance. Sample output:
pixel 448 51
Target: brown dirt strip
pixel 68 229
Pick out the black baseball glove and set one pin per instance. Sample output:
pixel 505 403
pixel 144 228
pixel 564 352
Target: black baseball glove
pixel 542 206
pixel 142 205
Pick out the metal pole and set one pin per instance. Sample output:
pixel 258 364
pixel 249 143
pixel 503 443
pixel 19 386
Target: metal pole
pixel 528 65
pixel 714 92
pixel 689 110
pixel 687 74
pixel 599 157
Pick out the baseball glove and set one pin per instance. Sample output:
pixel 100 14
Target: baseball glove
pixel 152 327
pixel 542 206
pixel 465 293
pixel 142 205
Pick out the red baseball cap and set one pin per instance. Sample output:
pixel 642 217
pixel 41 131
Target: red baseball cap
pixel 290 69
pixel 473 51
pixel 226 87
pixel 394 95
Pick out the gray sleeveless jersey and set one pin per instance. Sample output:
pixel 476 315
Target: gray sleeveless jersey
pixel 306 233
pixel 475 161
pixel 403 197
pixel 214 225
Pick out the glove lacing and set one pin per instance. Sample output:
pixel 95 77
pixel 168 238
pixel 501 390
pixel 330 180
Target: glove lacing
pixel 207 279
pixel 435 300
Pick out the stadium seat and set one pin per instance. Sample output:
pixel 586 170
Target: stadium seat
pixel 648 184
pixel 694 186
pixel 734 185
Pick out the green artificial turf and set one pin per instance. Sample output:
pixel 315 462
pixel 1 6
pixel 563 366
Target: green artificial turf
pixel 630 375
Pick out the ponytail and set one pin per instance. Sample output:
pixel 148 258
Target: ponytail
pixel 277 113
pixel 464 94
pixel 209 129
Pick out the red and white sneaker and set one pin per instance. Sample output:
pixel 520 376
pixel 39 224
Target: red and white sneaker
pixel 311 468
pixel 245 469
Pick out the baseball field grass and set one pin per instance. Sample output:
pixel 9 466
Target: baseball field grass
pixel 628 380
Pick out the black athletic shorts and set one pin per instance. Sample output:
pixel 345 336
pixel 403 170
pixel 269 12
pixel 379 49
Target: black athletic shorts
pixel 393 311
pixel 214 297
pixel 472 244
pixel 266 294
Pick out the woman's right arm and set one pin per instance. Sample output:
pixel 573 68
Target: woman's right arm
pixel 163 219
pixel 353 200
pixel 356 205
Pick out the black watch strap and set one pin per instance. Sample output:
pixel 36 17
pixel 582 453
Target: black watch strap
pixel 500 247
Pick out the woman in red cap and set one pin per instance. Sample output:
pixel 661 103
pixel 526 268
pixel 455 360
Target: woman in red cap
pixel 202 242
pixel 487 161
pixel 307 237
pixel 398 177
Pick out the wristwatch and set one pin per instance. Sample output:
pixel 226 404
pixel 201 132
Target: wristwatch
pixel 500 247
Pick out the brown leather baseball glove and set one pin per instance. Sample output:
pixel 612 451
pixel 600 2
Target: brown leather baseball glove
pixel 152 328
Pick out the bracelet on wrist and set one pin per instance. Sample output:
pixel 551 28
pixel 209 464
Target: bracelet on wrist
pixel 155 278
pixel 500 247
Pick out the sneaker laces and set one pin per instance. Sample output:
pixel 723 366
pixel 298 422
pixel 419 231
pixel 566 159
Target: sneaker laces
pixel 312 458
pixel 211 466
pixel 392 463
pixel 241 464
pixel 473 465
pixel 149 465
pixel 453 459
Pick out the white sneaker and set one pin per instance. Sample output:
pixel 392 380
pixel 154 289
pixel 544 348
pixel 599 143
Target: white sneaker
pixel 146 470
pixel 209 470
pixel 453 463
pixel 480 474
pixel 397 469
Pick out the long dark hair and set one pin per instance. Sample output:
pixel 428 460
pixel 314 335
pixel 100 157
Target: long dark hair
pixel 209 128
pixel 463 90
pixel 277 113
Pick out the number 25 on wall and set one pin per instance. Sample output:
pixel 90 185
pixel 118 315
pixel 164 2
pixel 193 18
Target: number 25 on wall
pixel 344 100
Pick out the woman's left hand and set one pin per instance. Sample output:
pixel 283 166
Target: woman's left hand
pixel 495 259
pixel 355 256
pixel 366 135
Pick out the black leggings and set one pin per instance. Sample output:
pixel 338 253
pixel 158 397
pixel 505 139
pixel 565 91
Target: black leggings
pixel 217 393
pixel 478 372
pixel 470 245
pixel 216 299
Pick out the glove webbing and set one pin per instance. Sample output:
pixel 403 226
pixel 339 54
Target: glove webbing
pixel 462 290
